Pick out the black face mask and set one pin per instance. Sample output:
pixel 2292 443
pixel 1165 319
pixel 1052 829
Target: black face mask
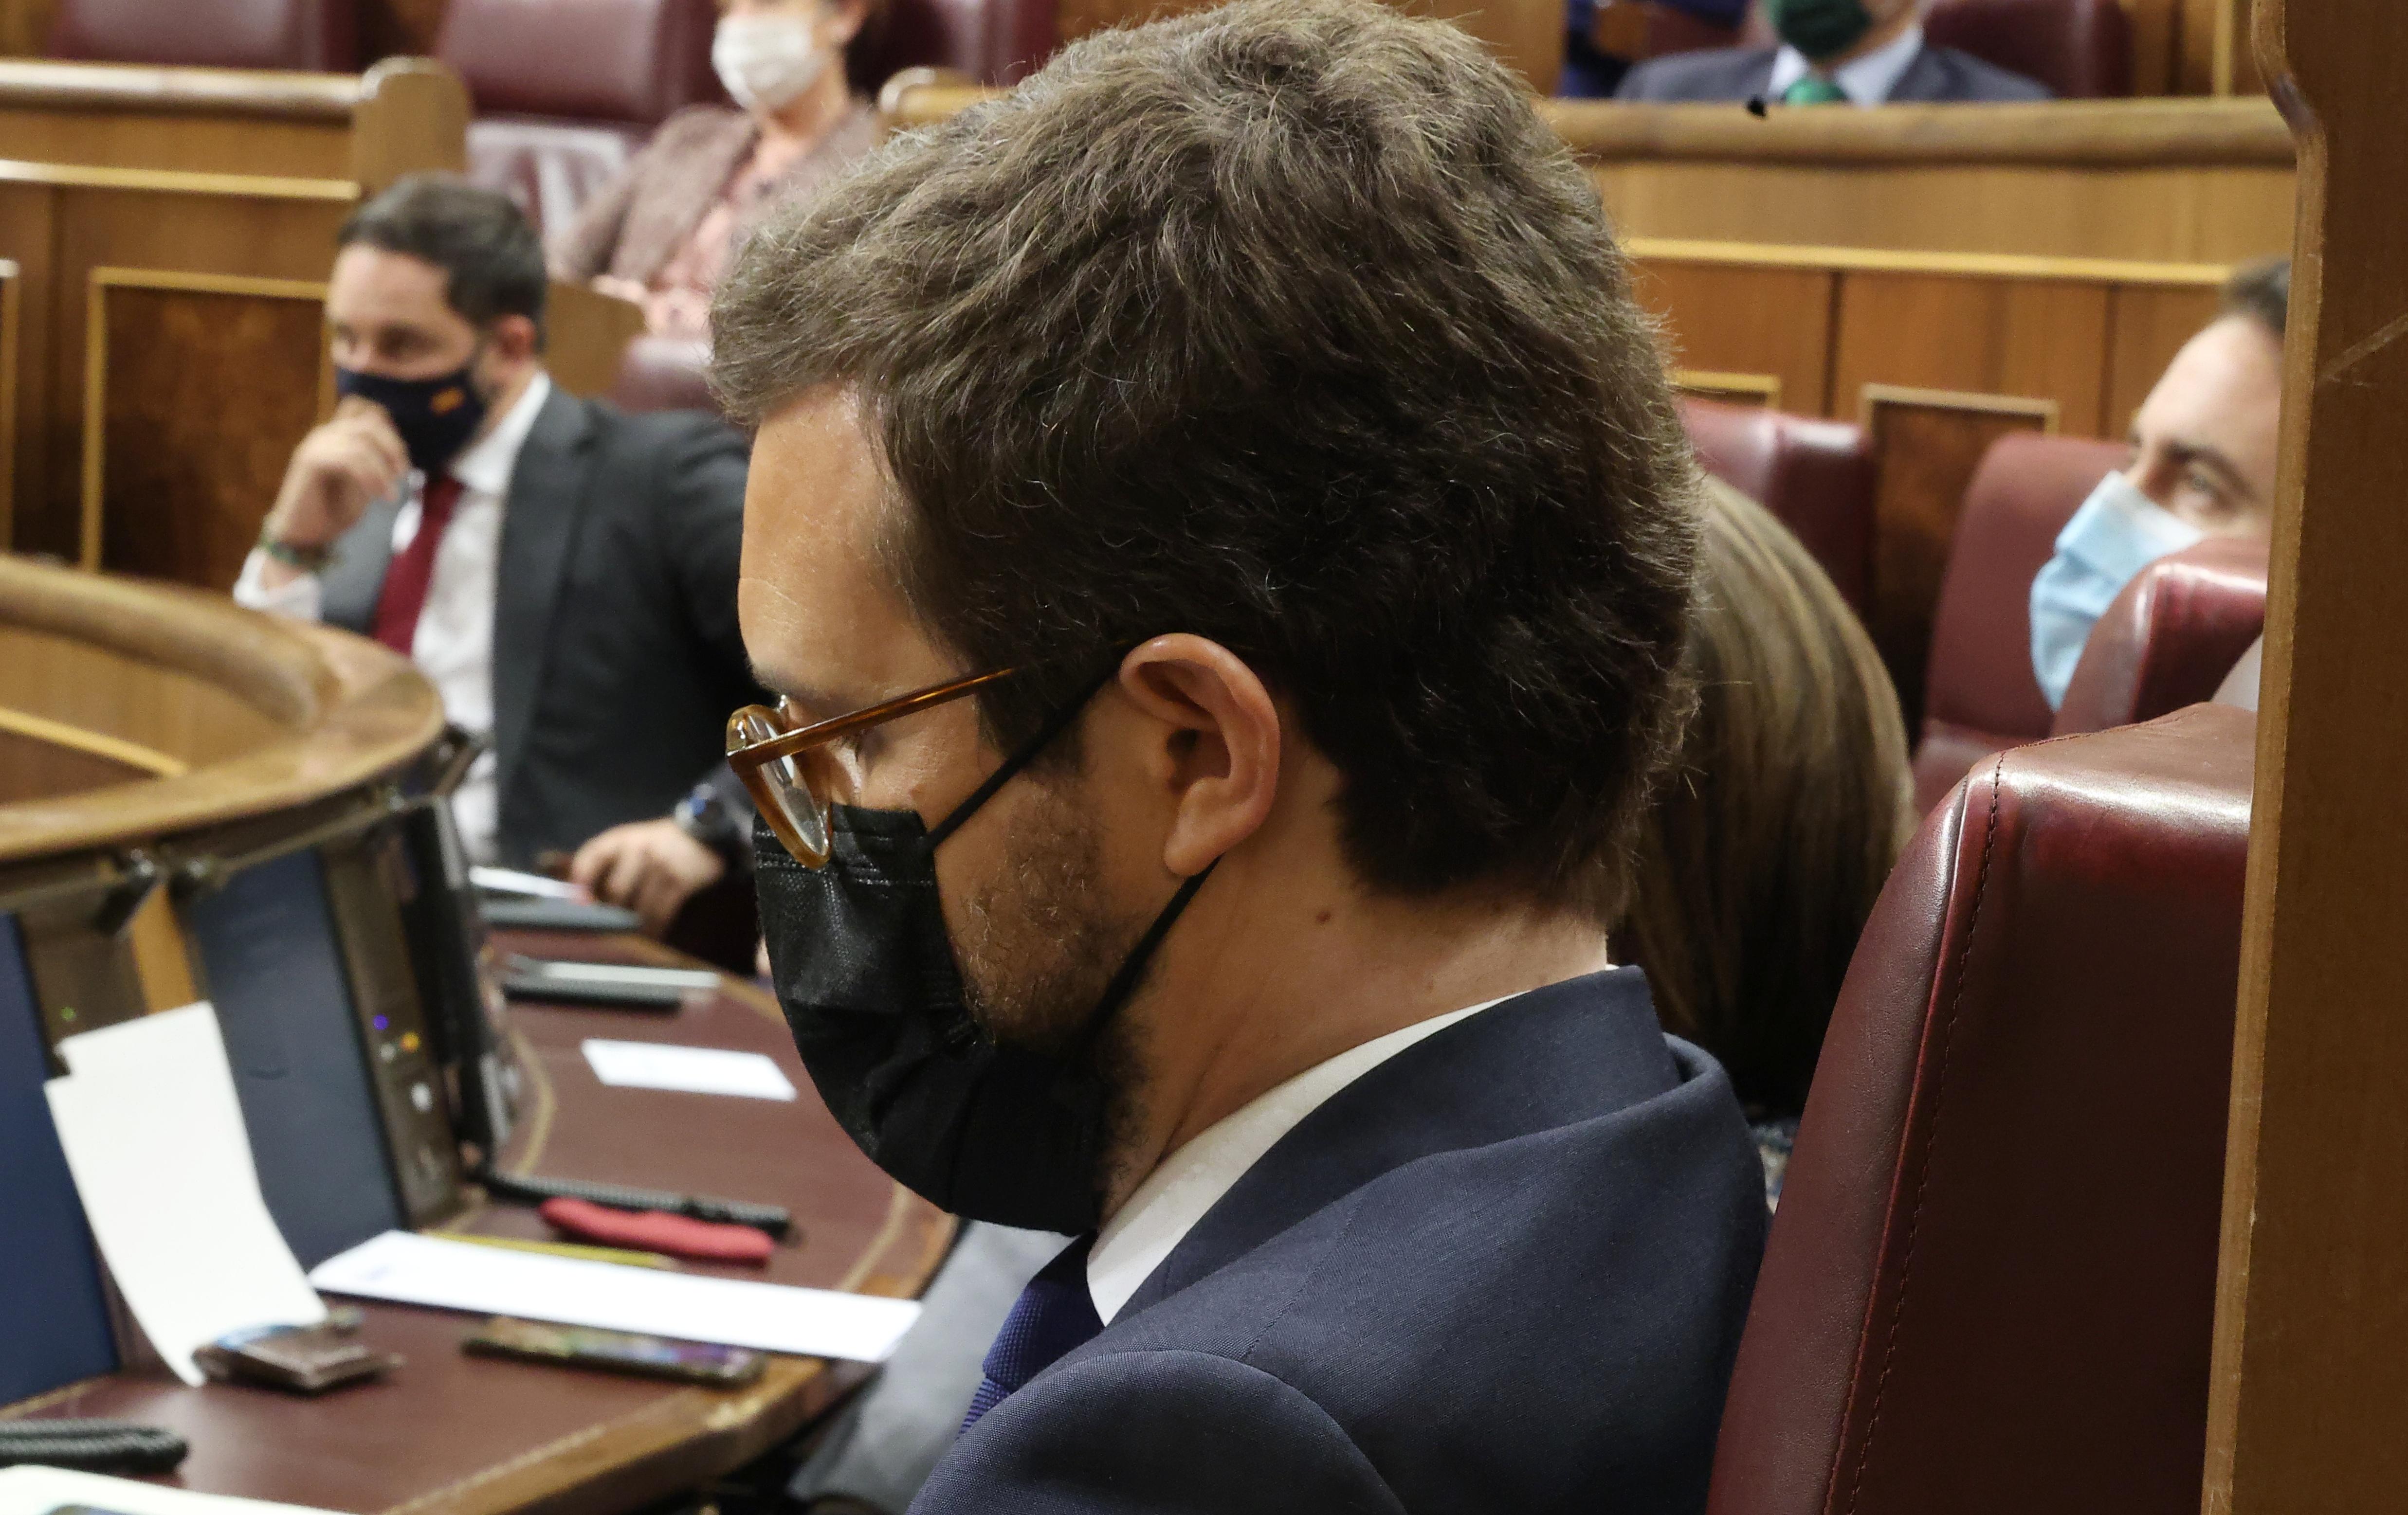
pixel 865 969
pixel 436 417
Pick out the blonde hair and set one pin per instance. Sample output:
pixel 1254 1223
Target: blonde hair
pixel 1776 825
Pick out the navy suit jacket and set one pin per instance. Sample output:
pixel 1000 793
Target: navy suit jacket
pixel 1741 74
pixel 1503 1271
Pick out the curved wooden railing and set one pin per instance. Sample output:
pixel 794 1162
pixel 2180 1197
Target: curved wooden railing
pixel 234 715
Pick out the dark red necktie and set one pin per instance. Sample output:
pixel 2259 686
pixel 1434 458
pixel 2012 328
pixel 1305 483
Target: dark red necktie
pixel 413 568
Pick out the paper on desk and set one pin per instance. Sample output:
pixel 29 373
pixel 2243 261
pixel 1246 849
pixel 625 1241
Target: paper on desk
pixel 693 1070
pixel 36 1491
pixel 153 1135
pixel 532 885
pixel 769 1317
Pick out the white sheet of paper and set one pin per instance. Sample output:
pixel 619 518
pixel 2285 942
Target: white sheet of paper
pixel 153 1135
pixel 490 1281
pixel 693 1070
pixel 37 1490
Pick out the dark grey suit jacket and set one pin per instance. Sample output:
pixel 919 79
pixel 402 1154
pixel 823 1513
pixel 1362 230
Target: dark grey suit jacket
pixel 1741 74
pixel 616 653
pixel 1504 1270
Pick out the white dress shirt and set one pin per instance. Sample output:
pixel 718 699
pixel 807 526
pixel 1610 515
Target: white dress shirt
pixel 1191 1180
pixel 453 645
pixel 1868 80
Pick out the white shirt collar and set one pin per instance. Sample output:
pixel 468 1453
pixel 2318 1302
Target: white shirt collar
pixel 484 466
pixel 1174 1196
pixel 1868 80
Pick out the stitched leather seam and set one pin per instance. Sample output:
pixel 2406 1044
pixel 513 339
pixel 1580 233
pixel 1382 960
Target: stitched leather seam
pixel 1931 1141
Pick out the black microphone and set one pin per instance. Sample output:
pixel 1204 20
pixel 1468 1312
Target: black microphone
pixel 1756 104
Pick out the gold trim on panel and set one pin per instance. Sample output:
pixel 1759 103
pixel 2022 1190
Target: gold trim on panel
pixel 96 743
pixel 95 364
pixel 1873 396
pixel 1708 384
pixel 176 181
pixel 1965 264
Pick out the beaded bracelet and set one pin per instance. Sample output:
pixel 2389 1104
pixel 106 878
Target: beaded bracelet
pixel 308 558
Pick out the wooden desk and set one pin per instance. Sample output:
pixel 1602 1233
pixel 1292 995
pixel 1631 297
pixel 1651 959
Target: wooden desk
pixel 453 1435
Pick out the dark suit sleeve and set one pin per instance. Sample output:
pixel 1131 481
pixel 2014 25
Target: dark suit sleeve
pixel 1165 1432
pixel 699 500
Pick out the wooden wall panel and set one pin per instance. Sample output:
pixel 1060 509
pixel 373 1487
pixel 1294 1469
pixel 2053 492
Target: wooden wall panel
pixel 1770 321
pixel 2172 214
pixel 165 222
pixel 1929 442
pixel 2036 340
pixel 2157 24
pixel 199 389
pixel 2147 327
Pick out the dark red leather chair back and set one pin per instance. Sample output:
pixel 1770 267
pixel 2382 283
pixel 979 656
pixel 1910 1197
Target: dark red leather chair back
pixel 1816 476
pixel 633 62
pixel 313 35
pixel 2081 49
pixel 566 90
pixel 994 41
pixel 2170 638
pixel 1991 1286
pixel 663 373
pixel 1979 693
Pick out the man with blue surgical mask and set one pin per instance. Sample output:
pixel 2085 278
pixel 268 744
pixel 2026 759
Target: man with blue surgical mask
pixel 2203 447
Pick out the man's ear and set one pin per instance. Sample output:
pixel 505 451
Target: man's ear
pixel 513 338
pixel 1219 761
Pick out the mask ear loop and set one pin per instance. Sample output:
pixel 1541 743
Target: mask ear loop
pixel 1053 726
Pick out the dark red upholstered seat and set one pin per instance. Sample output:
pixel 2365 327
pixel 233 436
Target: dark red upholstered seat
pixel 1979 693
pixel 566 90
pixel 313 35
pixel 2081 49
pixel 1816 477
pixel 992 41
pixel 663 373
pixel 2170 638
pixel 1991 1285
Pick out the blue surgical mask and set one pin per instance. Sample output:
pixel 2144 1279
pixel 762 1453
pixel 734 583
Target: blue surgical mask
pixel 2118 532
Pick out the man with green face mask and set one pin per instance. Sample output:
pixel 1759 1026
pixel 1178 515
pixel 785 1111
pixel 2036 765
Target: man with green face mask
pixel 1864 53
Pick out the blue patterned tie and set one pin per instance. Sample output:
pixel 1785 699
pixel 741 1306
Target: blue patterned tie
pixel 1052 1317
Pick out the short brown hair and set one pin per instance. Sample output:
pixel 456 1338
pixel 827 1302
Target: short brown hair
pixel 1762 855
pixel 491 257
pixel 1291 325
pixel 2262 292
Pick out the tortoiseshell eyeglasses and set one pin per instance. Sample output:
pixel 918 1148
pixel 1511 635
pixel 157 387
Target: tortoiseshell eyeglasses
pixel 789 771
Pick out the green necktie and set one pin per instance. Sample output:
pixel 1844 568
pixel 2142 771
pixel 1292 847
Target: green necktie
pixel 1813 90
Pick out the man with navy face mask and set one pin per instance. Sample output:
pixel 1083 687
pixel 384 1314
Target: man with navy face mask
pixel 2203 449
pixel 562 572
pixel 1222 533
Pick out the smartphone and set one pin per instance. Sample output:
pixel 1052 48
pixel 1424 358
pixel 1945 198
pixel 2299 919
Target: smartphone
pixel 616 1351
pixel 621 984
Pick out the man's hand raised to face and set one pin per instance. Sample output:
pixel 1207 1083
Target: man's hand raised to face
pixel 341 468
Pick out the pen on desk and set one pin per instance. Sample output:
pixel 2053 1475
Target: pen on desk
pixel 566 1249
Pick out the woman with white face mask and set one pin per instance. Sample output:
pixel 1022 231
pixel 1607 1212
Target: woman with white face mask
pixel 662 234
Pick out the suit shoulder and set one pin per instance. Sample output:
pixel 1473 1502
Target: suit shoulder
pixel 1713 74
pixel 1156 1428
pixel 1974 78
pixel 683 433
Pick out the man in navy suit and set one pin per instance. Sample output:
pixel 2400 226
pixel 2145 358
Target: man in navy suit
pixel 1863 53
pixel 1221 530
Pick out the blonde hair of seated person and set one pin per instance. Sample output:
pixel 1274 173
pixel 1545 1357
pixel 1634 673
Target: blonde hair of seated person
pixel 1772 834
